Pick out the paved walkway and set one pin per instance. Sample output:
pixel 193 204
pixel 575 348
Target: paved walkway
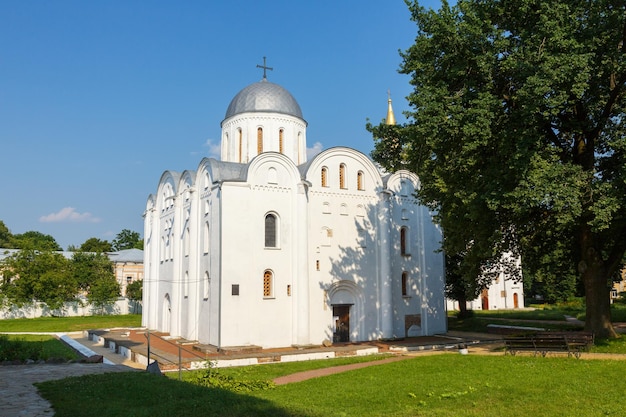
pixel 20 397
pixel 316 373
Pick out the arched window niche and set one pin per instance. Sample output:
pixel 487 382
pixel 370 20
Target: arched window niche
pixel 271 230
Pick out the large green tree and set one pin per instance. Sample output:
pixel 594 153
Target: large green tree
pixel 89 267
pixel 94 274
pixel 517 134
pixel 35 240
pixel 30 276
pixel 93 244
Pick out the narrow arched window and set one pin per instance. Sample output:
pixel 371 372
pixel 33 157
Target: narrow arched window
pixel 359 181
pixel 205 239
pixel 259 140
pixel 280 140
pixel 186 242
pixel 324 177
pixel 404 241
pixel 342 176
pixel 240 142
pixel 405 279
pixel 300 153
pixel 267 283
pixel 270 230
pixel 207 285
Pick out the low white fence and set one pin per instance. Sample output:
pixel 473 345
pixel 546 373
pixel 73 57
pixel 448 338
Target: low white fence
pixel 73 309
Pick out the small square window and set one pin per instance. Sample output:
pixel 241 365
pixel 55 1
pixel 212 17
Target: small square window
pixel 235 290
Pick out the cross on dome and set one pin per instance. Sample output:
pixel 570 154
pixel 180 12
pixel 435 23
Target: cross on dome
pixel 265 68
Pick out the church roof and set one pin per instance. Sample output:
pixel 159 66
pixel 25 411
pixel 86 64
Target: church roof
pixel 264 96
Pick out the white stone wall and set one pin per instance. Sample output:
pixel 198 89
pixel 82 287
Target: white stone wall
pixel 120 307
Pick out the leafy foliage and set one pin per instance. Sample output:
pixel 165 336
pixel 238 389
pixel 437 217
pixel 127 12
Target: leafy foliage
pixel 103 292
pixel 5 236
pixel 127 239
pixel 88 268
pixel 93 244
pixel 30 276
pixel 518 139
pixel 34 240
pixel 134 290
pixel 94 274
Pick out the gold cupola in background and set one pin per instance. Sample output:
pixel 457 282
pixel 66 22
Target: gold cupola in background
pixel 391 119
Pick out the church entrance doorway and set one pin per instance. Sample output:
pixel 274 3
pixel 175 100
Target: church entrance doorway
pixel 515 300
pixel 341 316
pixel 485 299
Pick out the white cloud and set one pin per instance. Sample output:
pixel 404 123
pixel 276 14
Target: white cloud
pixel 215 149
pixel 314 150
pixel 69 214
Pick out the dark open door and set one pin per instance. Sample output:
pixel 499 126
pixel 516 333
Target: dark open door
pixel 485 299
pixel 342 323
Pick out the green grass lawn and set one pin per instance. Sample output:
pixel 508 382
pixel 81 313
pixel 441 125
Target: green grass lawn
pixel 35 347
pixel 69 324
pixel 440 385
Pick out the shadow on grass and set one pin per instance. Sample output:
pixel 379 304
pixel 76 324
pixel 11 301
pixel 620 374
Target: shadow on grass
pixel 142 394
pixel 34 347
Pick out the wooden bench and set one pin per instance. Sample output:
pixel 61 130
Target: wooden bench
pixel 574 343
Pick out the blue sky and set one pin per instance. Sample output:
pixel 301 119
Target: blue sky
pixel 98 98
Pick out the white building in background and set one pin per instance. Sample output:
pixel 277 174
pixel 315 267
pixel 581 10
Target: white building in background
pixel 503 293
pixel 265 248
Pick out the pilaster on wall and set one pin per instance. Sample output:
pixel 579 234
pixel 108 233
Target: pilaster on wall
pixel 301 267
pixel 386 313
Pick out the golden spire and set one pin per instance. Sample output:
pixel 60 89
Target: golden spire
pixel 391 119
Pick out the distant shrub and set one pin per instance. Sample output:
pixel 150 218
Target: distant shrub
pixel 575 303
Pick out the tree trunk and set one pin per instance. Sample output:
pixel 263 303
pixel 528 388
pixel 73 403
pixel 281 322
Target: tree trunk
pixel 597 294
pixel 463 308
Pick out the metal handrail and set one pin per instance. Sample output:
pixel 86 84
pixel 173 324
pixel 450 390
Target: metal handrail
pixel 180 350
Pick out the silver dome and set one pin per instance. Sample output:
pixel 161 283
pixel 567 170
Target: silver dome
pixel 264 96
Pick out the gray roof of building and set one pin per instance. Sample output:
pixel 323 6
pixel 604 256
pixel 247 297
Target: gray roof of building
pixel 264 96
pixel 127 255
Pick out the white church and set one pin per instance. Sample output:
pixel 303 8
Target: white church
pixel 264 248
